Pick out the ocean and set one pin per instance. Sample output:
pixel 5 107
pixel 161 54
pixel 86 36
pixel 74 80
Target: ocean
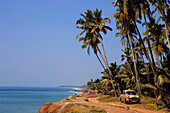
pixel 30 99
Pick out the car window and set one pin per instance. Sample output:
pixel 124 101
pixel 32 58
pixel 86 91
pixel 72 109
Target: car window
pixel 130 93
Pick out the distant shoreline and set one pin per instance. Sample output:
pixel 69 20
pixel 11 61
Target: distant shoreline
pixel 74 87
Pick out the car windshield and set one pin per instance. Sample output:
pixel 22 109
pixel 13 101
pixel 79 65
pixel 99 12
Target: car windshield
pixel 130 93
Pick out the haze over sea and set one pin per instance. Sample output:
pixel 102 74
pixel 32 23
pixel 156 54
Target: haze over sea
pixel 29 99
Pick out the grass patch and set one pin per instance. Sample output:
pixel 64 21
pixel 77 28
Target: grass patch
pixel 86 100
pixel 75 96
pixel 88 109
pixel 148 100
pixel 145 106
pixel 91 96
pixel 107 98
pixel 165 108
pixel 147 103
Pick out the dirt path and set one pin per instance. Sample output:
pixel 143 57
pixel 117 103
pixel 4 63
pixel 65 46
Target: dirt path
pixel 108 108
pixel 111 107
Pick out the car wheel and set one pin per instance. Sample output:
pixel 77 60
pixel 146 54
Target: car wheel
pixel 121 100
pixel 138 102
pixel 125 101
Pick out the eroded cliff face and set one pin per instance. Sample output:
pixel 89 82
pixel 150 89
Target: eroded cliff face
pixel 59 107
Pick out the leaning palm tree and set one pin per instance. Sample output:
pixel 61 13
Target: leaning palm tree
pixel 146 11
pixel 127 31
pixel 92 24
pixel 89 40
pixel 98 27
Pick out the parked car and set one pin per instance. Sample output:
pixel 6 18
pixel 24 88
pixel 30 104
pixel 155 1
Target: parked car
pixel 129 96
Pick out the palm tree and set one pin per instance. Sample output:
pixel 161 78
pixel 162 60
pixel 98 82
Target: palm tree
pixel 162 7
pixel 157 37
pixel 167 27
pixel 90 84
pixel 125 77
pixel 130 10
pixel 99 26
pixel 146 10
pixel 127 30
pixel 89 39
pixel 128 58
pixel 106 84
pixel 92 24
pixel 133 9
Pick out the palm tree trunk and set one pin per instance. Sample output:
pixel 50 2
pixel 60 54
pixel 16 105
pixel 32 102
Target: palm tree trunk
pixel 131 70
pixel 167 36
pixel 166 23
pixel 147 56
pixel 145 51
pixel 110 73
pixel 136 71
pixel 119 92
pixel 100 61
pixel 156 99
pixel 107 65
pixel 149 45
pixel 103 48
pixel 156 57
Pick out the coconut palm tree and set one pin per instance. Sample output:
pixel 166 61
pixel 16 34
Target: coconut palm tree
pixel 93 24
pixel 133 9
pixel 162 5
pixel 156 35
pixel 114 68
pixel 146 11
pixel 106 84
pixel 125 78
pixel 99 26
pixel 128 62
pixel 89 40
pixel 127 30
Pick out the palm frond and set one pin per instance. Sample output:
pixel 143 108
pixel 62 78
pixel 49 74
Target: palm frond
pixel 84 46
pixel 107 20
pixel 109 28
pixel 81 38
pixel 115 3
pixel 88 50
pixel 80 34
pixel 148 86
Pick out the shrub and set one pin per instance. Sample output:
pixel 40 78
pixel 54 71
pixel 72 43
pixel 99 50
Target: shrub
pixel 86 100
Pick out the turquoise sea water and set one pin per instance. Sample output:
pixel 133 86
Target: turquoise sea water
pixel 29 99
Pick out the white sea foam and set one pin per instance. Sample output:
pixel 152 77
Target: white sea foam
pixel 76 88
pixel 76 92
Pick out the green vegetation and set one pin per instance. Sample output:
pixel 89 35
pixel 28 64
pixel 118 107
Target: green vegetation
pixel 146 55
pixel 146 103
pixel 88 109
pixel 74 96
pixel 109 99
pixel 86 100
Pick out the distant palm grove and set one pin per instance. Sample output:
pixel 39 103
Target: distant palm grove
pixel 146 55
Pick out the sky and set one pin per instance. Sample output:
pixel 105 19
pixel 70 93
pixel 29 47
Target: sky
pixel 38 45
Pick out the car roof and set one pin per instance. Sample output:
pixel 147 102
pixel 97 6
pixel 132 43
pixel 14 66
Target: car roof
pixel 128 90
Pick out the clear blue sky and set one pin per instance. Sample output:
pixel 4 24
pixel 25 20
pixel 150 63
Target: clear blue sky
pixel 38 45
